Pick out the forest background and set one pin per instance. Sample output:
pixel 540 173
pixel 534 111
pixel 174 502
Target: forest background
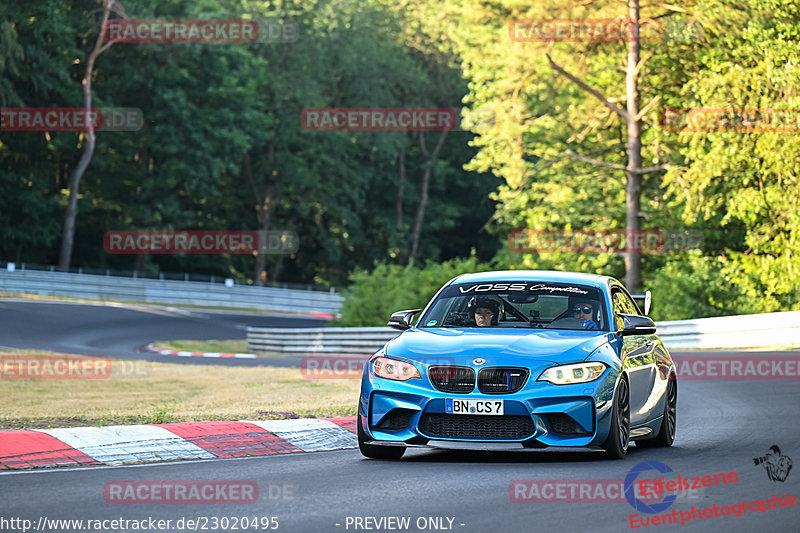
pixel 390 216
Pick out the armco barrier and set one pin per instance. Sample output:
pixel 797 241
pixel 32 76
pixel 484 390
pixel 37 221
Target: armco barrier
pixel 95 287
pixel 347 342
pixel 740 331
pixel 743 331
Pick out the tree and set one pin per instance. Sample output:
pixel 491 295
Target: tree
pixel 427 170
pixel 552 139
pixel 745 64
pixel 38 45
pixel 71 213
pixel 633 117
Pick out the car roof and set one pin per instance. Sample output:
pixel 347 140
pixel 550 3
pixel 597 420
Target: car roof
pixel 554 276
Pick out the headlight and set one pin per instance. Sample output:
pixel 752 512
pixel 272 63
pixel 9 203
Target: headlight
pixel 577 373
pixel 394 369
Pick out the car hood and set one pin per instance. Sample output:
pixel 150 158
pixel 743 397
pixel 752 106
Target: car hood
pixel 459 346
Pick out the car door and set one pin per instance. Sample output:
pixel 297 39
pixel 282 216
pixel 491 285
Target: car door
pixel 637 358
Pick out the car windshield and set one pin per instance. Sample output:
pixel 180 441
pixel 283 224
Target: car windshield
pixel 518 304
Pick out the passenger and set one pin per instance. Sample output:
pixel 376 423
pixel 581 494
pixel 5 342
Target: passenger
pixel 584 310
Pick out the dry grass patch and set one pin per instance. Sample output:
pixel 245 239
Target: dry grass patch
pixel 164 392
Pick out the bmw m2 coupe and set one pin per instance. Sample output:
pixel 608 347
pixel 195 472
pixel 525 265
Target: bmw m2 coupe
pixel 520 359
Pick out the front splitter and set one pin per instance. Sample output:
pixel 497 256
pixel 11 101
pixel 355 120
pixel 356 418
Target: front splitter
pixel 483 446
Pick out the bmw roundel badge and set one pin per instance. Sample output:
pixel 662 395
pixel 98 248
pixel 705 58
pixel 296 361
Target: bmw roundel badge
pixel 478 361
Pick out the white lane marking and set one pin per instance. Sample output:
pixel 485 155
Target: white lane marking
pixel 292 424
pixel 150 348
pixel 128 444
pixel 310 434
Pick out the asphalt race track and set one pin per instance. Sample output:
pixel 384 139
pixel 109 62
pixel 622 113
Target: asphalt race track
pixel 119 330
pixel 722 426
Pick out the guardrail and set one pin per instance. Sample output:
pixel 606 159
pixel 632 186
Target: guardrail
pixel 346 342
pixel 95 287
pixel 742 331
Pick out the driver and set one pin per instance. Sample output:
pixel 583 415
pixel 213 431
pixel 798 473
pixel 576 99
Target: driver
pixel 485 312
pixel 584 310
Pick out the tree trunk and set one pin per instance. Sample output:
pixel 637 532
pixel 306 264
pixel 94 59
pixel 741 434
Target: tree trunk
pixel 265 217
pixel 139 262
pixel 276 268
pixel 633 170
pixel 633 188
pixel 68 237
pixel 398 204
pixel 427 170
pixel 265 204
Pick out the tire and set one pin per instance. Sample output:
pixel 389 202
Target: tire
pixel 616 445
pixel 666 435
pixel 391 453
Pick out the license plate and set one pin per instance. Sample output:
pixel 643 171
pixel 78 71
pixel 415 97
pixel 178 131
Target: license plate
pixel 458 406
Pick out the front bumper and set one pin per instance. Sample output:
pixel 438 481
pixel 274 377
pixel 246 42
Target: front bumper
pixel 540 414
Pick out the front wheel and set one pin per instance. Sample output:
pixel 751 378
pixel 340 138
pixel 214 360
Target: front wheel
pixel 377 452
pixel 616 445
pixel 666 436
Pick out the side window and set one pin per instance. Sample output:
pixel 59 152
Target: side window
pixel 619 307
pixel 622 304
pixel 629 304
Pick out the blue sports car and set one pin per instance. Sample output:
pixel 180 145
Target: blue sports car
pixel 521 359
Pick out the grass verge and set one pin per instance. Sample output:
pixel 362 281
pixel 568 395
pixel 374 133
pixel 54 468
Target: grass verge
pixel 141 392
pixel 232 346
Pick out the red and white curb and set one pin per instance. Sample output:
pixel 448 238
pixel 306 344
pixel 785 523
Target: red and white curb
pixel 151 348
pixel 120 445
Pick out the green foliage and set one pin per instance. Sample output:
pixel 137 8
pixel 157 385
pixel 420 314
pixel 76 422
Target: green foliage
pixel 210 107
pixel 740 189
pixel 766 284
pixel 691 286
pixel 738 178
pixel 161 414
pixel 696 286
pixel 374 295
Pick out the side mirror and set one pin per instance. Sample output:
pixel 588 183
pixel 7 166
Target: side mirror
pixel 402 319
pixel 636 325
pixel 643 301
